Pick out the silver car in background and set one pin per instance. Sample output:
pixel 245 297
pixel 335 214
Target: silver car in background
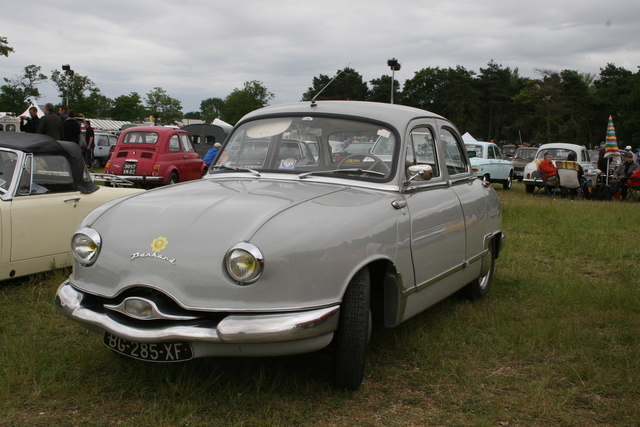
pixel 281 249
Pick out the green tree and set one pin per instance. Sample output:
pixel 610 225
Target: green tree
pixel 128 108
pixel 542 101
pixel 211 109
pixel 630 111
pixel 164 109
pixel 423 89
pixel 14 93
pixel 498 86
pixel 348 85
pixel 97 105
pixel 242 101
pixel 72 89
pixel 381 90
pixel 193 115
pixel 5 49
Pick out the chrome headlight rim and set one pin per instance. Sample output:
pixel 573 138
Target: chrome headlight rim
pixel 91 240
pixel 235 253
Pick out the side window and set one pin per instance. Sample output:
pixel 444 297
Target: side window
pixel 453 153
pixel 491 153
pixel 421 150
pixel 174 144
pixel 186 143
pixel 52 174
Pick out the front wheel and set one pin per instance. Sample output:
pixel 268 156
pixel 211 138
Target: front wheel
pixel 479 288
pixel 352 336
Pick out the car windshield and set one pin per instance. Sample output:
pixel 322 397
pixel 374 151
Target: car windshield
pixel 474 150
pixel 527 154
pixel 311 146
pixel 139 137
pixel 8 162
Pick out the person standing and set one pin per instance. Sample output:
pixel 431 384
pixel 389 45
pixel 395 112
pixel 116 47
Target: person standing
pixel 63 111
pixel 71 128
pixel 32 121
pixel 89 136
pixel 50 124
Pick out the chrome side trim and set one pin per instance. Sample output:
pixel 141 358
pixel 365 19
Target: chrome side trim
pixel 235 328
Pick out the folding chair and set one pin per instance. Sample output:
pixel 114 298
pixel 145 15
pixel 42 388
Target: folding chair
pixel 569 180
pixel 550 184
pixel 633 189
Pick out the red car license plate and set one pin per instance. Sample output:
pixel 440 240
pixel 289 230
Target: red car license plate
pixel 152 352
pixel 129 169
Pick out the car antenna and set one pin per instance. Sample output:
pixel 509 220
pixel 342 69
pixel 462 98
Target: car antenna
pixel 313 100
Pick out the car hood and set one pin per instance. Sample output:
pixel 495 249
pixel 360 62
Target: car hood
pixel 198 222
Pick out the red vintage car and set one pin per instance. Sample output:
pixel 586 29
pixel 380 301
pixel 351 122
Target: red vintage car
pixel 155 155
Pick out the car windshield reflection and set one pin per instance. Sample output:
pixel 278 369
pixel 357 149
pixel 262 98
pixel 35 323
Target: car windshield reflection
pixel 316 145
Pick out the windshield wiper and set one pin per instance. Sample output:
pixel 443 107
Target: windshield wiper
pixel 363 171
pixel 234 168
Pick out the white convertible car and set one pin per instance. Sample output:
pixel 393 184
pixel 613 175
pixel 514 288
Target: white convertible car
pixel 45 190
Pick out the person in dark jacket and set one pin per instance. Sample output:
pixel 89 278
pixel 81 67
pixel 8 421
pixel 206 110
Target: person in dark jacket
pixel 71 127
pixel 50 124
pixel 31 124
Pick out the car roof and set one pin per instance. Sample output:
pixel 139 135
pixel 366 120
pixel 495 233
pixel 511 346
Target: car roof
pixel 158 129
pixel 30 142
pixel 561 145
pixel 394 114
pixel 482 143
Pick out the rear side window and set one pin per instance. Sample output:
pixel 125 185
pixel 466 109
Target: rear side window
pixel 453 153
pixel 174 144
pixel 186 143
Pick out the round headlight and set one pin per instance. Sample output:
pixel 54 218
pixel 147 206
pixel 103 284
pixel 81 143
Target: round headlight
pixel 85 245
pixel 245 263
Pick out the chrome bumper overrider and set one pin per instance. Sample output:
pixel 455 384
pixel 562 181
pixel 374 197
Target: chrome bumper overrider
pixel 233 329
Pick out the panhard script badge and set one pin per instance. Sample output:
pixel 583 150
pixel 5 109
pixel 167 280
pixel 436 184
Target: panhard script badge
pixel 157 245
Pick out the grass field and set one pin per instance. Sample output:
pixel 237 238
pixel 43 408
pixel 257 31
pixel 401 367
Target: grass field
pixel 557 343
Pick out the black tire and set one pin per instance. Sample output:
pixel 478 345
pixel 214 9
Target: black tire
pixel 508 183
pixel 353 332
pixel 481 286
pixel 173 179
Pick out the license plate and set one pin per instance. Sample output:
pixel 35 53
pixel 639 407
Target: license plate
pixel 129 169
pixel 152 352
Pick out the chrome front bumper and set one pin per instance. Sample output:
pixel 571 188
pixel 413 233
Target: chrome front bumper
pixel 235 329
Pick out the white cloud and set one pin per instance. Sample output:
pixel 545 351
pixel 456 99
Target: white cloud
pixel 197 49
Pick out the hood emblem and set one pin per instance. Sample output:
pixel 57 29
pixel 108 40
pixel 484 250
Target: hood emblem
pixel 157 245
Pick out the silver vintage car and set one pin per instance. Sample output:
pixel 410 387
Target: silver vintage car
pixel 281 249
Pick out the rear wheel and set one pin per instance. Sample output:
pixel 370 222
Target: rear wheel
pixel 173 179
pixel 481 286
pixel 508 183
pixel 353 332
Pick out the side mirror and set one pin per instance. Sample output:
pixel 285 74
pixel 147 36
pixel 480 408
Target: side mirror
pixel 420 172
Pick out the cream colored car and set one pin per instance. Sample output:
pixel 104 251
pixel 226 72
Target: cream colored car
pixel 45 190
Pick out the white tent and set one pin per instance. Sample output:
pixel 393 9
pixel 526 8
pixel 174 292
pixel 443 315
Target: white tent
pixel 33 104
pixel 468 138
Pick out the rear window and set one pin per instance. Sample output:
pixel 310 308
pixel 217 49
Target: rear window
pixel 140 137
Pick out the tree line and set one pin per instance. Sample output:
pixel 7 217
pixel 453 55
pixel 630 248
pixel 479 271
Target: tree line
pixel 495 103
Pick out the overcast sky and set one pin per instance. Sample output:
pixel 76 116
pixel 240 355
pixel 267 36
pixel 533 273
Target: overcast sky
pixel 197 49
